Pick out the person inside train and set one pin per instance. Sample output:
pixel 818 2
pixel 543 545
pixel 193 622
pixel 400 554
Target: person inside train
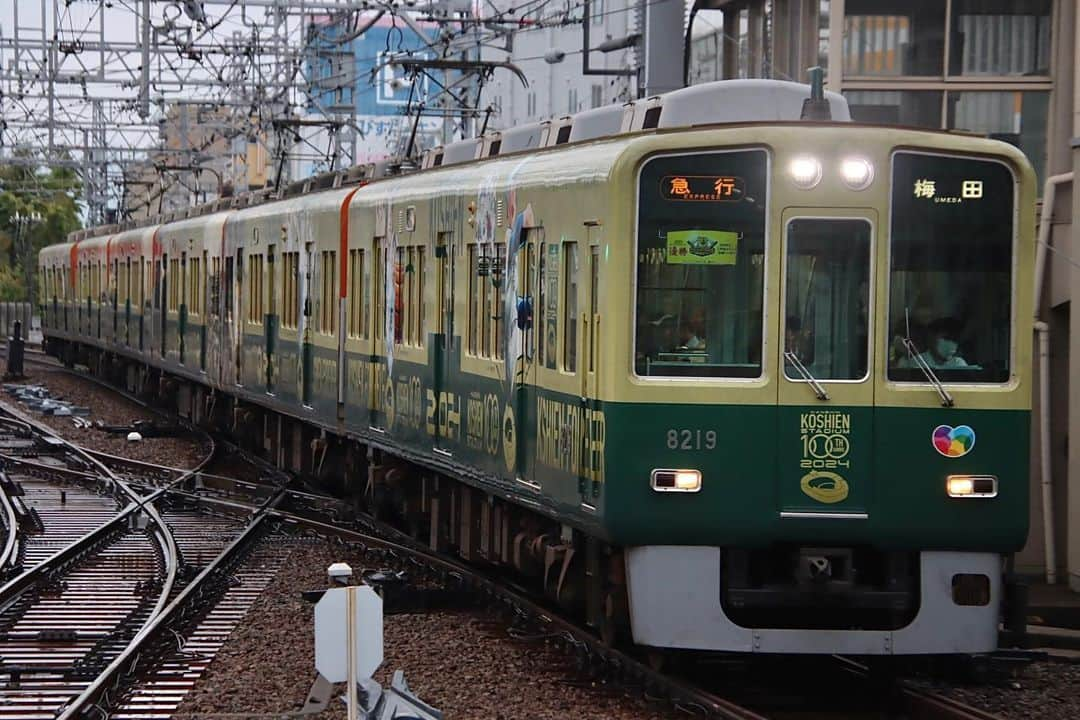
pixel 689 337
pixel 942 352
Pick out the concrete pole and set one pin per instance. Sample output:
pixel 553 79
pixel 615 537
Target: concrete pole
pixel 663 39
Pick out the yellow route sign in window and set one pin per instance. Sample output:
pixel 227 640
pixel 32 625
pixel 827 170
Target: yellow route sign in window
pixel 702 247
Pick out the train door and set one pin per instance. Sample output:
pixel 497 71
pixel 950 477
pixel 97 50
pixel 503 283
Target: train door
pixel 238 317
pixel 270 321
pixel 590 370
pixel 826 392
pixel 444 336
pixel 378 328
pixel 525 380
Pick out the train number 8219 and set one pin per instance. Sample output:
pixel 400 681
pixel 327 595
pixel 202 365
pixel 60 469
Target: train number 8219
pixel 691 439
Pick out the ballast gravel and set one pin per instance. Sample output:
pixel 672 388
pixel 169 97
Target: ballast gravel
pixel 182 451
pixel 461 662
pixel 1043 690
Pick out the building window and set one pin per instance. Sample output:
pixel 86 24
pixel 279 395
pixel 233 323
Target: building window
pixel 572 101
pixel 914 108
pixel 597 95
pixel 1018 118
pixel 890 39
pixel 597 11
pixel 530 105
pixel 999 38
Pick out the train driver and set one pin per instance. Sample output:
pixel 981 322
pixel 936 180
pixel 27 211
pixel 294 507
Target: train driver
pixel 942 353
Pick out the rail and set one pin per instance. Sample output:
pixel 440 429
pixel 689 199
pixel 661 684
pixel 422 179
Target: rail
pixel 11 527
pixel 150 632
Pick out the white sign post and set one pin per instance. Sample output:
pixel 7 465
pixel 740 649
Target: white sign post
pixel 356 654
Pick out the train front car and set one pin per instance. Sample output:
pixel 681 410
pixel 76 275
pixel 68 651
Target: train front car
pixel 821 443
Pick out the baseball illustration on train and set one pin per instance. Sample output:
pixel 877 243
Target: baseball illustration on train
pixel 714 375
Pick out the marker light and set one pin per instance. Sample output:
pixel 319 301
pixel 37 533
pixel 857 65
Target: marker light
pixel 857 172
pixel 963 486
pixel 805 171
pixel 676 480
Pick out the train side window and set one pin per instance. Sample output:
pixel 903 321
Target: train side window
pixel 174 286
pixel 548 337
pixel 228 284
pixel 255 289
pixel 195 273
pixel 418 283
pixel 475 309
pixel 356 288
pixel 570 290
pixel 497 312
pixel 327 296
pixel 215 285
pixel 594 303
pixel 402 298
pixel 379 289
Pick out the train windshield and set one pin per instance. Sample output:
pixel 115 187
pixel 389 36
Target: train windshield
pixel 827 298
pixel 700 264
pixel 950 275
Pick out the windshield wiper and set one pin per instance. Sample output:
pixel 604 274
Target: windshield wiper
pixel 806 375
pixel 916 357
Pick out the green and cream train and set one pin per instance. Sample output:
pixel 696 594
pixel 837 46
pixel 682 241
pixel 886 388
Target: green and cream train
pixel 713 376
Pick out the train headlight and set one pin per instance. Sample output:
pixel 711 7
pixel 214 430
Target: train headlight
pixel 857 172
pixel 971 486
pixel 805 171
pixel 676 480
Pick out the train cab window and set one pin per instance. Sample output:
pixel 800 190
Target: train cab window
pixel 950 272
pixel 827 291
pixel 700 265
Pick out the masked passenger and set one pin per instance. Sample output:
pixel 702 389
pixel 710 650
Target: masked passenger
pixel 942 353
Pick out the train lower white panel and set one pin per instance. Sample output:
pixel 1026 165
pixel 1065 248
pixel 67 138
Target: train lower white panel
pixel 675 603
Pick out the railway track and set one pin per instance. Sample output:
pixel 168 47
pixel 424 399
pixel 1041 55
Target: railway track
pixel 100 569
pixel 155 685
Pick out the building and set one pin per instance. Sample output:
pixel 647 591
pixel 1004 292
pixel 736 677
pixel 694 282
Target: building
pixel 202 153
pixel 1002 68
pixel 563 79
pixel 357 92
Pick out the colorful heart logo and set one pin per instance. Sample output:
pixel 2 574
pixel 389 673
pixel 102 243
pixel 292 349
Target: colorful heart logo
pixel 953 442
